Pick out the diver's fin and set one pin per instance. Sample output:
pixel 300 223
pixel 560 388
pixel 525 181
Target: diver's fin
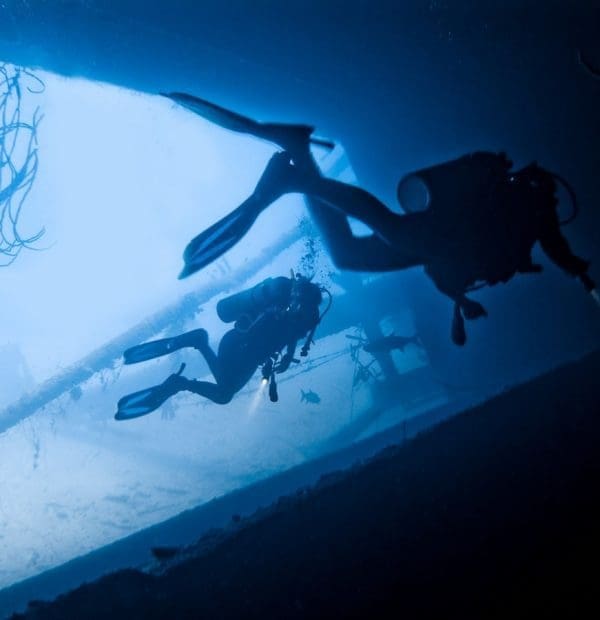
pixel 141 403
pixel 216 240
pixel 279 177
pixel 216 114
pixel 145 401
pixel 197 338
pixel 288 137
pixel 150 350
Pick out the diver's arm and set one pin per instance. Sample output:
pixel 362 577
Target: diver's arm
pixel 557 248
pixel 287 358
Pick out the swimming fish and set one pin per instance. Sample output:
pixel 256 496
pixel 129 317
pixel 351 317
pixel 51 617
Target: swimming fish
pixel 310 397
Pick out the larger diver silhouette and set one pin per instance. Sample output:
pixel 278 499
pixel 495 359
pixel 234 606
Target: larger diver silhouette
pixel 478 237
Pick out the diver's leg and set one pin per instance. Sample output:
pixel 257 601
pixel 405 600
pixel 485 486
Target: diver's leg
pixel 413 235
pixel 232 378
pixel 369 253
pixel 236 361
pixel 299 173
pixel 210 357
pixel 232 368
pixel 198 339
pixel 213 391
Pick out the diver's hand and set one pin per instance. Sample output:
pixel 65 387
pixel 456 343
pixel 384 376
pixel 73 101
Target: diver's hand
pixel 587 282
pixel 285 362
pixel 590 287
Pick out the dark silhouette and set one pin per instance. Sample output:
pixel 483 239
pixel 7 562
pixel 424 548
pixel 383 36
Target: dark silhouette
pixel 591 70
pixel 309 397
pixel 478 228
pixel 490 514
pixel 270 317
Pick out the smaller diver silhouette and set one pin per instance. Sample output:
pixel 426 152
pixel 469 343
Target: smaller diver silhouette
pixel 479 228
pixel 269 317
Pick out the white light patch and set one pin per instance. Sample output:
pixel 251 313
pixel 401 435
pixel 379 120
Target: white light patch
pixel 258 397
pixel 125 181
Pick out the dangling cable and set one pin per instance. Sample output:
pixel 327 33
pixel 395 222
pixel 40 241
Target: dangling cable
pixel 572 197
pixel 18 160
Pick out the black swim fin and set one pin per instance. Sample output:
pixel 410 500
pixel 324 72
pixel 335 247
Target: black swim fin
pixel 216 240
pixel 145 401
pixel 278 178
pixel 150 350
pixel 288 136
pixel 197 338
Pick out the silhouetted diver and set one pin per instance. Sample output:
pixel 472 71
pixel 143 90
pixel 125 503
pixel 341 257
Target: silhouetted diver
pixel 269 317
pixel 462 244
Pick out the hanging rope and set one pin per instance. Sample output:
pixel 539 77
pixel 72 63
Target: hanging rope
pixel 18 158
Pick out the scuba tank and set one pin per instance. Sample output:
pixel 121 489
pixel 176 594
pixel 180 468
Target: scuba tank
pixel 453 185
pixel 246 306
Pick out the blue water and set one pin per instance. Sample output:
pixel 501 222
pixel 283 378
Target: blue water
pixel 126 178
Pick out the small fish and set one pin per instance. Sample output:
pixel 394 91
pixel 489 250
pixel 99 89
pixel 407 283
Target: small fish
pixel 310 397
pixel 388 343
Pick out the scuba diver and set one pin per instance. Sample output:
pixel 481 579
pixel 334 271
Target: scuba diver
pixel 272 316
pixel 479 226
